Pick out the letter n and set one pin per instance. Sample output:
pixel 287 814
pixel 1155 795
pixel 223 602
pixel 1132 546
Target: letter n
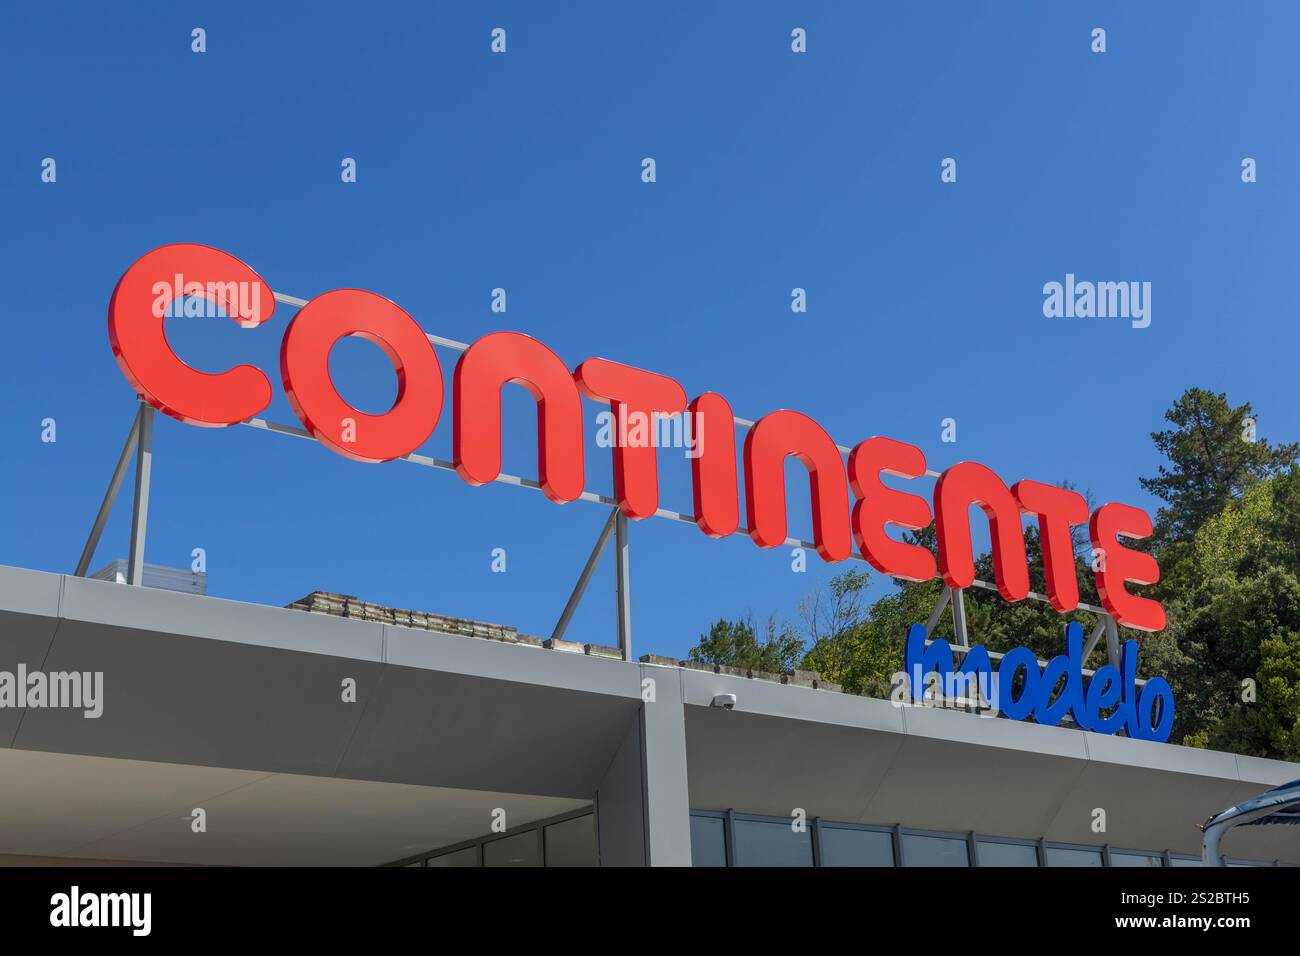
pixel 481 373
pixel 769 442
pixel 970 483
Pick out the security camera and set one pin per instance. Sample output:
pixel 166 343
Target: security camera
pixel 725 701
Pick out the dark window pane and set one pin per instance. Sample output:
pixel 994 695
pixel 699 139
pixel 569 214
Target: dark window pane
pixel 708 841
pixel 517 850
pixel 1007 854
pixel 920 850
pixel 465 857
pixel 572 842
pixel 846 847
pixel 760 843
pixel 1135 859
pixel 1183 861
pixel 1067 856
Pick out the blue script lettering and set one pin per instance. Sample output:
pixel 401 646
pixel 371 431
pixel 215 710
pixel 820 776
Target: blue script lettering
pixel 1148 715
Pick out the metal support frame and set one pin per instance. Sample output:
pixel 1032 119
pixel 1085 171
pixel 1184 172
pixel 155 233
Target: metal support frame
pixel 937 613
pixel 622 584
pixel 140 511
pixel 957 599
pixel 588 569
pixel 1112 639
pixel 615 525
pixel 139 442
pixel 1091 643
pixel 959 618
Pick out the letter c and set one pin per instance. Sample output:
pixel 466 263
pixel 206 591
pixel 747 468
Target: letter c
pixel 136 333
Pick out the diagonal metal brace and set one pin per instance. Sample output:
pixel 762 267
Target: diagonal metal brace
pixel 957 599
pixel 139 442
pixel 580 588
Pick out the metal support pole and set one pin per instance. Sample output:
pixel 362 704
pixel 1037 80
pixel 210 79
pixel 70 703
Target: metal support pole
pixel 959 618
pixel 937 613
pixel 140 508
pixel 580 588
pixel 1112 640
pixel 106 506
pixel 623 584
pixel 1091 643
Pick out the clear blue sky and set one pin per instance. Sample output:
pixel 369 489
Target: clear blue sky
pixel 775 170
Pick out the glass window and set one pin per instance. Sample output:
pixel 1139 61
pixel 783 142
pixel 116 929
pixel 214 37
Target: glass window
pixel 1184 861
pixel 517 850
pixel 992 853
pixel 768 843
pixel 572 842
pixel 924 850
pixel 466 857
pixel 708 841
pixel 1118 858
pixel 845 846
pixel 1073 856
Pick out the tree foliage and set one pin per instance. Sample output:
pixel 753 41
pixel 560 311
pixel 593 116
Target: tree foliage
pixel 737 644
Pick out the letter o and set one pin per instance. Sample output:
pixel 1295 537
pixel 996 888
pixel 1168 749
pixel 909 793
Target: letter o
pixel 304 367
pixel 1017 708
pixel 1157 692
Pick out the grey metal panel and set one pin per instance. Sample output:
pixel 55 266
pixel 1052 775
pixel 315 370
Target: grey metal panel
pixel 666 790
pixel 24 639
pixel 30 592
pixel 620 811
pixel 935 784
pixel 1148 754
pixel 958 727
pixel 452 730
pixel 1145 808
pixel 798 703
pixel 769 765
pixel 1265 773
pixel 411 647
pixel 201 702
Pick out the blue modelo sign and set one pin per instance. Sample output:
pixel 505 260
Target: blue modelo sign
pixel 933 679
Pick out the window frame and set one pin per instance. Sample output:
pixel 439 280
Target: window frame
pixel 732 816
pixel 978 838
pixel 963 837
pixel 820 824
pixel 1099 849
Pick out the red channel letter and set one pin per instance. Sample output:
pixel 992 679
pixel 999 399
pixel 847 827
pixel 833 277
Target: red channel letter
pixel 632 392
pixel 1118 565
pixel 304 368
pixel 970 483
pixel 1058 510
pixel 769 442
pixel 879 505
pixel 713 467
pixel 136 317
pixel 481 373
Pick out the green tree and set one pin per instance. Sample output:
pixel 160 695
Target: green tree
pixel 1214 455
pixel 737 644
pixel 1237 621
